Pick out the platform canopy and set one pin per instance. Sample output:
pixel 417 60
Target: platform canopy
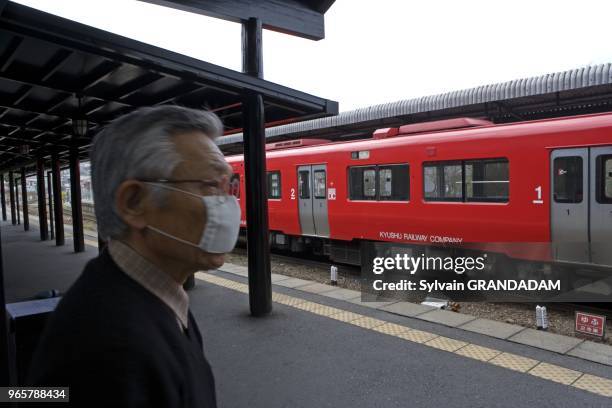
pixel 55 72
pixel 573 92
pixel 303 18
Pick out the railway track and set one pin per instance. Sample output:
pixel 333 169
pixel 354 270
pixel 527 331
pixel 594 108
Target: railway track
pixel 315 261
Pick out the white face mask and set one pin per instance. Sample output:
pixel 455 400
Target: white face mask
pixel 222 223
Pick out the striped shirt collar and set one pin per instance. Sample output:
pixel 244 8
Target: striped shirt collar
pixel 151 278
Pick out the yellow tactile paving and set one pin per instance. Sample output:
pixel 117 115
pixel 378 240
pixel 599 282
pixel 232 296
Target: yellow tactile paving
pixel 367 322
pixel 276 297
pixel 212 278
pixel 230 284
pixel 597 385
pixel 478 352
pixel 226 283
pixel 417 336
pixel 587 382
pixel 236 286
pixel 287 300
pixel 204 276
pixel 345 316
pixel 317 308
pixel 555 373
pixel 391 329
pixel 446 344
pixel 514 362
pixel 243 288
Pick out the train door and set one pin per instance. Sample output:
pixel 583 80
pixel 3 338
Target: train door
pixel 601 205
pixel 570 204
pixel 312 200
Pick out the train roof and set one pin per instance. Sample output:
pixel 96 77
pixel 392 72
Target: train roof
pixel 473 128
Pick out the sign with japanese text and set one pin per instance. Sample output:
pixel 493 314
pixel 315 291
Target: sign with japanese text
pixel 587 323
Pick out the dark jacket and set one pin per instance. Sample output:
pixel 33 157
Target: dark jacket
pixel 117 345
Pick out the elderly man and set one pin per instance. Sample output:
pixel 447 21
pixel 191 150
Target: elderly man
pixel 123 335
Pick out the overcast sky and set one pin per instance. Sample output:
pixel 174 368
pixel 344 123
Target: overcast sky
pixel 382 51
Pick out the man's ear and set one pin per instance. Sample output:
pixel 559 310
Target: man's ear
pixel 131 202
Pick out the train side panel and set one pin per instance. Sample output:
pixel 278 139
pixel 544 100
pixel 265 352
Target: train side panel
pixel 498 226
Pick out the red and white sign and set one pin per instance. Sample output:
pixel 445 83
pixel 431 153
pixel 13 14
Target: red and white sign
pixel 587 323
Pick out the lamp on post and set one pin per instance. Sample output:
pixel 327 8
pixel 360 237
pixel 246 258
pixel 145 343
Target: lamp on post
pixel 79 127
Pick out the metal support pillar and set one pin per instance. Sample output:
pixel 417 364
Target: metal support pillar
pixel 12 197
pixel 5 357
pixel 258 247
pixel 3 197
pixel 50 192
pixel 17 203
pixel 57 200
pixel 24 199
pixel 42 203
pixel 75 201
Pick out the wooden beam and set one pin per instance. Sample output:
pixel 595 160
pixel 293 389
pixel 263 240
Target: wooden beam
pixel 290 16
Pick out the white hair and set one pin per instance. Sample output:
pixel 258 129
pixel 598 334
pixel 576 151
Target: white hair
pixel 139 145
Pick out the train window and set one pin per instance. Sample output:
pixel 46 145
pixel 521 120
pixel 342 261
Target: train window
pixel 274 184
pixel 608 178
pixel 604 179
pixel 443 181
pixel 234 187
pixel 384 181
pixel 430 182
pixel 568 179
pixel 394 182
pixel 487 180
pixel 369 184
pixel 319 184
pixel 304 184
pixel 453 181
pixel 362 183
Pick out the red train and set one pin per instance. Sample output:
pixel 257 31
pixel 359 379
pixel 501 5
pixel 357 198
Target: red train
pixel 538 190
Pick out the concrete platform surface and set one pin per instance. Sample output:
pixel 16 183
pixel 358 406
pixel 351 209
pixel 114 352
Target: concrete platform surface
pixel 343 294
pixel 316 288
pixel 293 282
pixel 310 354
pixel 32 266
pixel 492 328
pixel 408 309
pixel 237 269
pixel 586 350
pixel 547 341
pixel 446 317
pixel 600 353
pixel 275 277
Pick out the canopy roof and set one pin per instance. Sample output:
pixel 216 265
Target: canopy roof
pixel 577 91
pixel 48 64
pixel 302 18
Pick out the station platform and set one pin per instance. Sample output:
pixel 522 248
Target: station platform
pixel 318 351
